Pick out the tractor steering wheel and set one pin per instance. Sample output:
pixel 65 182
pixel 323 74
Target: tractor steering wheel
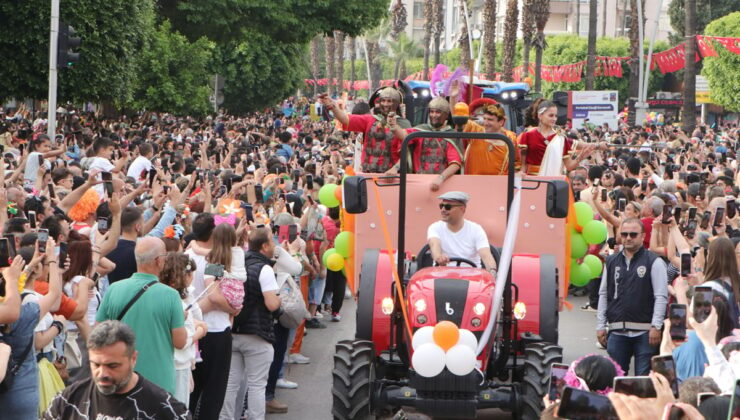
pixel 461 261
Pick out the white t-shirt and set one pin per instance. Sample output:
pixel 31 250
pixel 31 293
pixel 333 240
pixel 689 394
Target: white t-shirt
pixel 462 244
pixel 217 320
pixel 268 283
pixel 44 323
pixel 139 165
pixel 32 167
pixel 104 165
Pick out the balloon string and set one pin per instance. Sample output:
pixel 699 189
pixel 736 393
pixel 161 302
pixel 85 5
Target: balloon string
pixel 389 246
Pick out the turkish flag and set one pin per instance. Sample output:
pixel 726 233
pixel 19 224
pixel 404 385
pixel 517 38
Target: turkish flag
pixel 706 49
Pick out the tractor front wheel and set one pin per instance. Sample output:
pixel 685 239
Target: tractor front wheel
pixel 353 376
pixel 538 357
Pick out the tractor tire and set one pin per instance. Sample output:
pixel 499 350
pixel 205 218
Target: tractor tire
pixel 537 360
pixel 353 375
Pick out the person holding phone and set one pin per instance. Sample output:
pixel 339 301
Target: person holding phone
pixel 41 150
pixel 142 164
pixel 632 301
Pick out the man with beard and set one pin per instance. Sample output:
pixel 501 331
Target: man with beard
pixel 379 150
pixel 114 391
pixel 431 155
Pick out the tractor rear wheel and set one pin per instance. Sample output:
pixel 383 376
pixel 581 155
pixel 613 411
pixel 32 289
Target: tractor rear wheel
pixel 537 360
pixel 353 376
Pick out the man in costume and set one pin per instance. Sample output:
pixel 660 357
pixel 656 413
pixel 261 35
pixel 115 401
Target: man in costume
pixel 379 148
pixel 490 157
pixel 431 155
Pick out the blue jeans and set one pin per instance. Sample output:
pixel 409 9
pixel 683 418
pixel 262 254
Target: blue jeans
pixel 622 348
pixel 280 346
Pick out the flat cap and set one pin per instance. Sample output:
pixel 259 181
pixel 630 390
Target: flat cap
pixel 455 196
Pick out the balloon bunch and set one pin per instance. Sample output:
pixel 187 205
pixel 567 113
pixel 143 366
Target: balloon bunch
pixel 587 232
pixel 655 118
pixel 330 195
pixel 443 345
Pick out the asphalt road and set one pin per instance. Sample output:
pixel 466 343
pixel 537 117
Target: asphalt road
pixel 312 399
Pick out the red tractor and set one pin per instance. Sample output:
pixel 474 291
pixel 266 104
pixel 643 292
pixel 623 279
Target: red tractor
pixel 514 320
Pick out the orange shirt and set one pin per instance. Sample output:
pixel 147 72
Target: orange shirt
pixel 68 305
pixel 490 157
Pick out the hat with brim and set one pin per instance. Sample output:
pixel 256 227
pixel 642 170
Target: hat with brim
pixel 455 196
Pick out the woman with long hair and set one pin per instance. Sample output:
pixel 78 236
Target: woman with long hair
pixel 178 274
pixel 721 273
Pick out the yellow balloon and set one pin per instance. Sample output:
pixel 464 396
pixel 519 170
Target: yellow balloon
pixel 335 262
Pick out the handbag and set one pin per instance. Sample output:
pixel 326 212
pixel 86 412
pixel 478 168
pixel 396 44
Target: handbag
pixel 72 351
pixel 292 305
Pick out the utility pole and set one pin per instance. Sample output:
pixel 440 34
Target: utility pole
pixel 641 107
pixel 53 40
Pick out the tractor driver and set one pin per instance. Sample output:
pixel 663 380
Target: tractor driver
pixel 455 237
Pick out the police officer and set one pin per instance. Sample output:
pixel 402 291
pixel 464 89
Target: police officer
pixel 632 301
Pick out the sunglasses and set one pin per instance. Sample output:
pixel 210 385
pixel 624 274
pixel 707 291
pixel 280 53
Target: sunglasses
pixel 448 207
pixel 630 234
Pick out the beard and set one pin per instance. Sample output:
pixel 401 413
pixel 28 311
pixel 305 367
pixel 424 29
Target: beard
pixel 115 386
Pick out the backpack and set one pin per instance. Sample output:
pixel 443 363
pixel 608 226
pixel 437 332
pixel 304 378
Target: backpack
pixel 292 305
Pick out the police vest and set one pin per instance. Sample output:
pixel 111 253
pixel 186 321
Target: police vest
pixel 630 295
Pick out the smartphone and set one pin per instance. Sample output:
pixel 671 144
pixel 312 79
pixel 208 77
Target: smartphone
pixel 731 210
pixel 103 225
pixel 703 296
pixel 677 214
pixel 106 176
pixel 166 189
pixel 639 386
pixel 666 214
pixel 249 213
pixel 685 264
pixel 152 177
pixel 705 219
pixel 703 396
pixel 62 258
pixel 310 199
pixel 11 241
pixel 622 204
pixel 603 195
pixel 245 165
pixel 692 213
pixel 666 366
pixel 108 186
pixel 32 219
pixel 258 195
pixel 644 184
pixel 42 238
pixel 577 404
pixel 5 258
pixel 557 381
pixel 283 233
pixel 719 217
pixel 691 229
pixel 309 182
pixel 215 270
pixel 50 187
pixel 296 176
pixel 292 233
pixel 41 160
pixel 735 404
pixel 228 183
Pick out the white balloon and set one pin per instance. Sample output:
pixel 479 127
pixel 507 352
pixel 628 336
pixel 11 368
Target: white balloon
pixel 428 360
pixel 422 336
pixel 460 360
pixel 467 338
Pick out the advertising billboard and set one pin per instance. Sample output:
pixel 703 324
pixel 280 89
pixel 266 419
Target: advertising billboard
pixel 594 107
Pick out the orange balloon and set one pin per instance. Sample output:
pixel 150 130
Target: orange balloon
pixel 338 193
pixel 446 334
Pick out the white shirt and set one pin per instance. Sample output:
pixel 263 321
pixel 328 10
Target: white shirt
pixel 185 357
pixel 139 165
pixel 464 243
pixel 32 167
pixel 104 165
pixel 217 320
pixel 268 283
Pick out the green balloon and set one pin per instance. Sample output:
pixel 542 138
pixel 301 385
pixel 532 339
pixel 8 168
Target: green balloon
pixel 344 244
pixel 594 265
pixel 327 253
pixel 584 213
pixel 578 246
pixel 580 275
pixel 594 232
pixel 326 195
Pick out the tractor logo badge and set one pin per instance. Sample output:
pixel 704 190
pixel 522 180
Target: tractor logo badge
pixel 449 309
pixel 641 271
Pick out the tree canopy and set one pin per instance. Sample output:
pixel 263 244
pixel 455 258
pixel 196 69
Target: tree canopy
pixel 706 11
pixel 723 71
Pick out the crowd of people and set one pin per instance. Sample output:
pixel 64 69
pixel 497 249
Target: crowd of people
pixel 147 259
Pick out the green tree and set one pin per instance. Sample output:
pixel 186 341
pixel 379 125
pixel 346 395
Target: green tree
pixel 401 50
pixel 173 74
pixel 258 73
pixel 706 11
pixel 113 33
pixel 723 71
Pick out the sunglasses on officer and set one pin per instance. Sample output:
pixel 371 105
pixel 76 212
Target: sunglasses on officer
pixel 448 207
pixel 632 235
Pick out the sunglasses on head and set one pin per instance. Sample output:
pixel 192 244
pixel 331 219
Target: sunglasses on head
pixel 448 207
pixel 630 234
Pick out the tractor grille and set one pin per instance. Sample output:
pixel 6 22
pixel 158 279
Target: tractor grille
pixel 447 395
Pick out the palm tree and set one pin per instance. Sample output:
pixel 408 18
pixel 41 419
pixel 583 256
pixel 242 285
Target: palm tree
pixel 330 63
pixel 527 35
pixel 634 51
pixel 439 27
pixel 541 13
pixel 591 57
pixel 510 24
pixel 401 50
pixel 339 56
pixel 489 33
pixel 352 44
pixel 315 57
pixel 372 48
pixel 577 17
pixel 428 28
pixel 399 16
pixel 463 40
pixel 689 74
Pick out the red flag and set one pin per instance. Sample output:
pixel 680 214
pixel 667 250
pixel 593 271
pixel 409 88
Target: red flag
pixel 732 44
pixel 706 49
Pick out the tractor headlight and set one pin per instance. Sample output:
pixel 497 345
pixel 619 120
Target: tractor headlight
pixel 386 306
pixel 513 95
pixel 479 308
pixel 420 305
pixel 425 93
pixel 520 311
pixel 505 95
